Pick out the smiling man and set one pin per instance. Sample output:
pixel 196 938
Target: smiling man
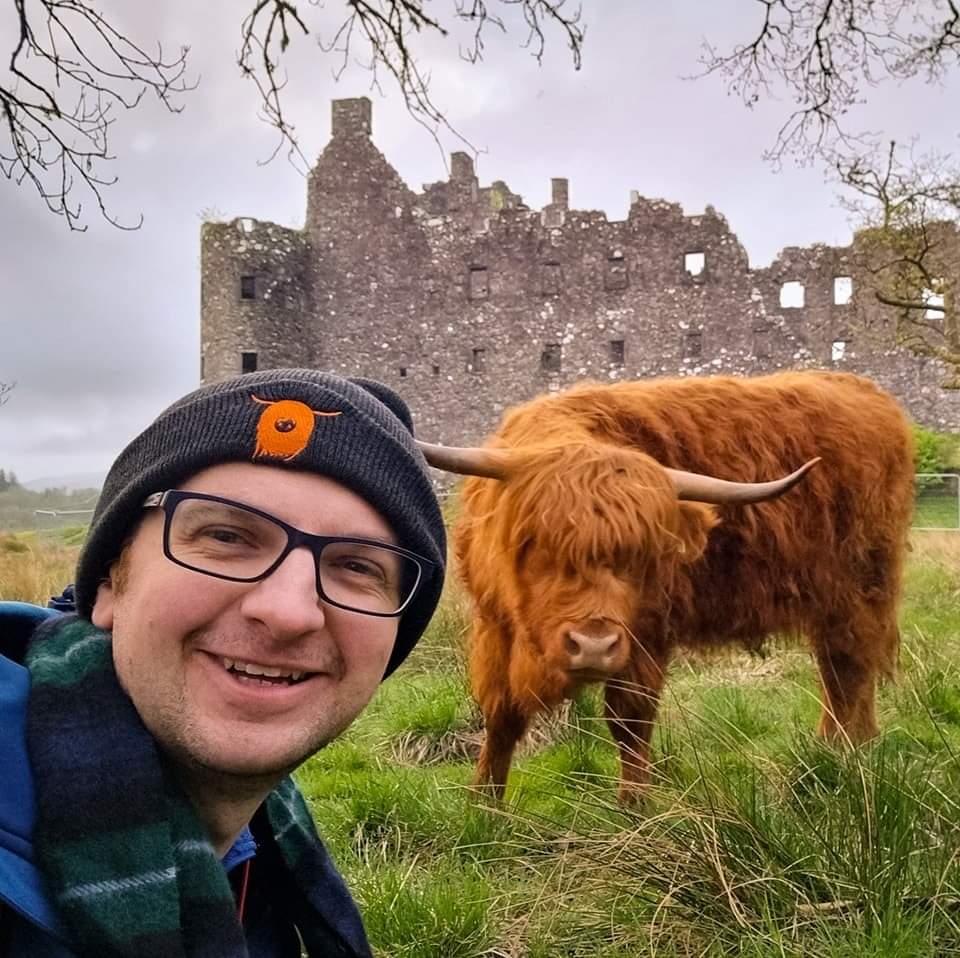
pixel 261 557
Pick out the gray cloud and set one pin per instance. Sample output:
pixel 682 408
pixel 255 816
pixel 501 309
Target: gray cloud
pixel 101 330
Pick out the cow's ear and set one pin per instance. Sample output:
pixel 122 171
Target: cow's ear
pixel 696 521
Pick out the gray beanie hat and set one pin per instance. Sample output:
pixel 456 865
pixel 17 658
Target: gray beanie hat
pixel 357 432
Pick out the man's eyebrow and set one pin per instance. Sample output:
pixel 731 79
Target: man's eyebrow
pixel 204 507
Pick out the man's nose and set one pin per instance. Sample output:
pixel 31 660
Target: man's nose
pixel 286 601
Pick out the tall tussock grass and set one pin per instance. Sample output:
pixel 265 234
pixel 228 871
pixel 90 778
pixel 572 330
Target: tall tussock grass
pixel 32 569
pixel 821 854
pixel 755 837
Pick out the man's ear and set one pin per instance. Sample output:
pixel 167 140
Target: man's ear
pixel 103 604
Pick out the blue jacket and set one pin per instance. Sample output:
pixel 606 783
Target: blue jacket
pixel 28 922
pixel 31 923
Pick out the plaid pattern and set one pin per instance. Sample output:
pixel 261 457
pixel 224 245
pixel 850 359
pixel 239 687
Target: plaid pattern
pixel 126 859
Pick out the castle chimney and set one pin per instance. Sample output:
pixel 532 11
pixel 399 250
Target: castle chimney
pixel 352 117
pixel 461 167
pixel 560 192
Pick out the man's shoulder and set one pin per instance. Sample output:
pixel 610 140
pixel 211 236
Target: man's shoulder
pixel 18 621
pixel 20 886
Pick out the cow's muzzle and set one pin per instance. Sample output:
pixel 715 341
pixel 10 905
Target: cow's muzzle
pixel 597 646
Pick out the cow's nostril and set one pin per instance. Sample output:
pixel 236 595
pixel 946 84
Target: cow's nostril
pixel 589 651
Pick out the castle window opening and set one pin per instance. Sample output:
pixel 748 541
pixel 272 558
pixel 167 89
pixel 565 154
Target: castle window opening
pixel 202 364
pixel 838 350
pixel 842 290
pixel 933 300
pixel 248 287
pixel 616 274
pixel 616 352
pixel 761 342
pixel 436 369
pixel 792 295
pixel 693 345
pixel 694 263
pixel 248 362
pixel 479 282
pixel 478 361
pixel 403 372
pixel 551 359
pixel 550 279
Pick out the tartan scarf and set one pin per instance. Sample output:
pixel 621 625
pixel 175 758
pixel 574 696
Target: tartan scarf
pixel 124 855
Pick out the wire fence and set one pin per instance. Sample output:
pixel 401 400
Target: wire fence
pixel 938 502
pixel 937 507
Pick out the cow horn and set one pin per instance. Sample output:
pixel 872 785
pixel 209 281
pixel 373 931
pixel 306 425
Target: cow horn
pixel 696 488
pixel 691 486
pixel 488 463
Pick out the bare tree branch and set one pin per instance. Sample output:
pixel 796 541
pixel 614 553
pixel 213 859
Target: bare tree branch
pixel 907 209
pixel 825 54
pixel 71 69
pixel 5 390
pixel 377 34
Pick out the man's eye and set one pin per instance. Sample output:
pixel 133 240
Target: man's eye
pixel 359 567
pixel 227 536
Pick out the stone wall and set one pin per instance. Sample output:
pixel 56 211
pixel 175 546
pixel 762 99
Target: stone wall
pixel 467 301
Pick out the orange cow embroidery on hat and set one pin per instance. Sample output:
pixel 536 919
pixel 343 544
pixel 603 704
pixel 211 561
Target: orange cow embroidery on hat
pixel 284 427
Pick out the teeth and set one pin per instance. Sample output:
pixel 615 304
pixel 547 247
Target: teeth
pixel 249 668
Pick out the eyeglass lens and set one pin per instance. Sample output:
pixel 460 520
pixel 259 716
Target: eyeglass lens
pixel 227 540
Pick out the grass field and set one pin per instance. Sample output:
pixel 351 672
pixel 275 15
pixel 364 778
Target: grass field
pixel 756 840
pixel 938 507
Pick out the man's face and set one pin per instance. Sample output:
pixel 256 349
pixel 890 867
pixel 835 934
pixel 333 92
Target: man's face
pixel 178 634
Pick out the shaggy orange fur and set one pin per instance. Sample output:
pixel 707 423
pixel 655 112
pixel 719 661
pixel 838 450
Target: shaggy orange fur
pixel 588 529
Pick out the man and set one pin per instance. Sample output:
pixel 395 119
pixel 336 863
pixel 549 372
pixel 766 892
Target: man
pixel 261 557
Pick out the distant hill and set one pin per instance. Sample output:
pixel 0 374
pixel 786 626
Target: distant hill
pixel 78 480
pixel 54 508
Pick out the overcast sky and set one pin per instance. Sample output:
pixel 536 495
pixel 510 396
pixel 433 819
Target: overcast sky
pixel 101 329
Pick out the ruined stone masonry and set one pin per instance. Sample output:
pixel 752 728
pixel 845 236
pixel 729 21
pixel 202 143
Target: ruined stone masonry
pixel 466 301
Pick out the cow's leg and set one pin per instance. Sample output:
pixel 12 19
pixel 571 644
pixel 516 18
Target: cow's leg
pixel 505 725
pixel 631 710
pixel 491 663
pixel 850 661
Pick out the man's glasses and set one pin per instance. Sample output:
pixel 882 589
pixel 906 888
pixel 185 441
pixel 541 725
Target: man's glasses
pixel 228 540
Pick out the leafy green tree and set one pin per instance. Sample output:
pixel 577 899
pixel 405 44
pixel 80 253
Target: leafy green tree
pixel 930 451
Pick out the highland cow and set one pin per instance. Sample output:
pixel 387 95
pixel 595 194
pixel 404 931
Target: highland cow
pixel 594 542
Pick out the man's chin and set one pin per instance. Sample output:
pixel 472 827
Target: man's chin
pixel 249 752
pixel 249 766
pixel 225 764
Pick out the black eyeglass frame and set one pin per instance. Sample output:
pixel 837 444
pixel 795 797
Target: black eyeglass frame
pixel 167 501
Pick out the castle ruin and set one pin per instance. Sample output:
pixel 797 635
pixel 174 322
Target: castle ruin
pixel 466 301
